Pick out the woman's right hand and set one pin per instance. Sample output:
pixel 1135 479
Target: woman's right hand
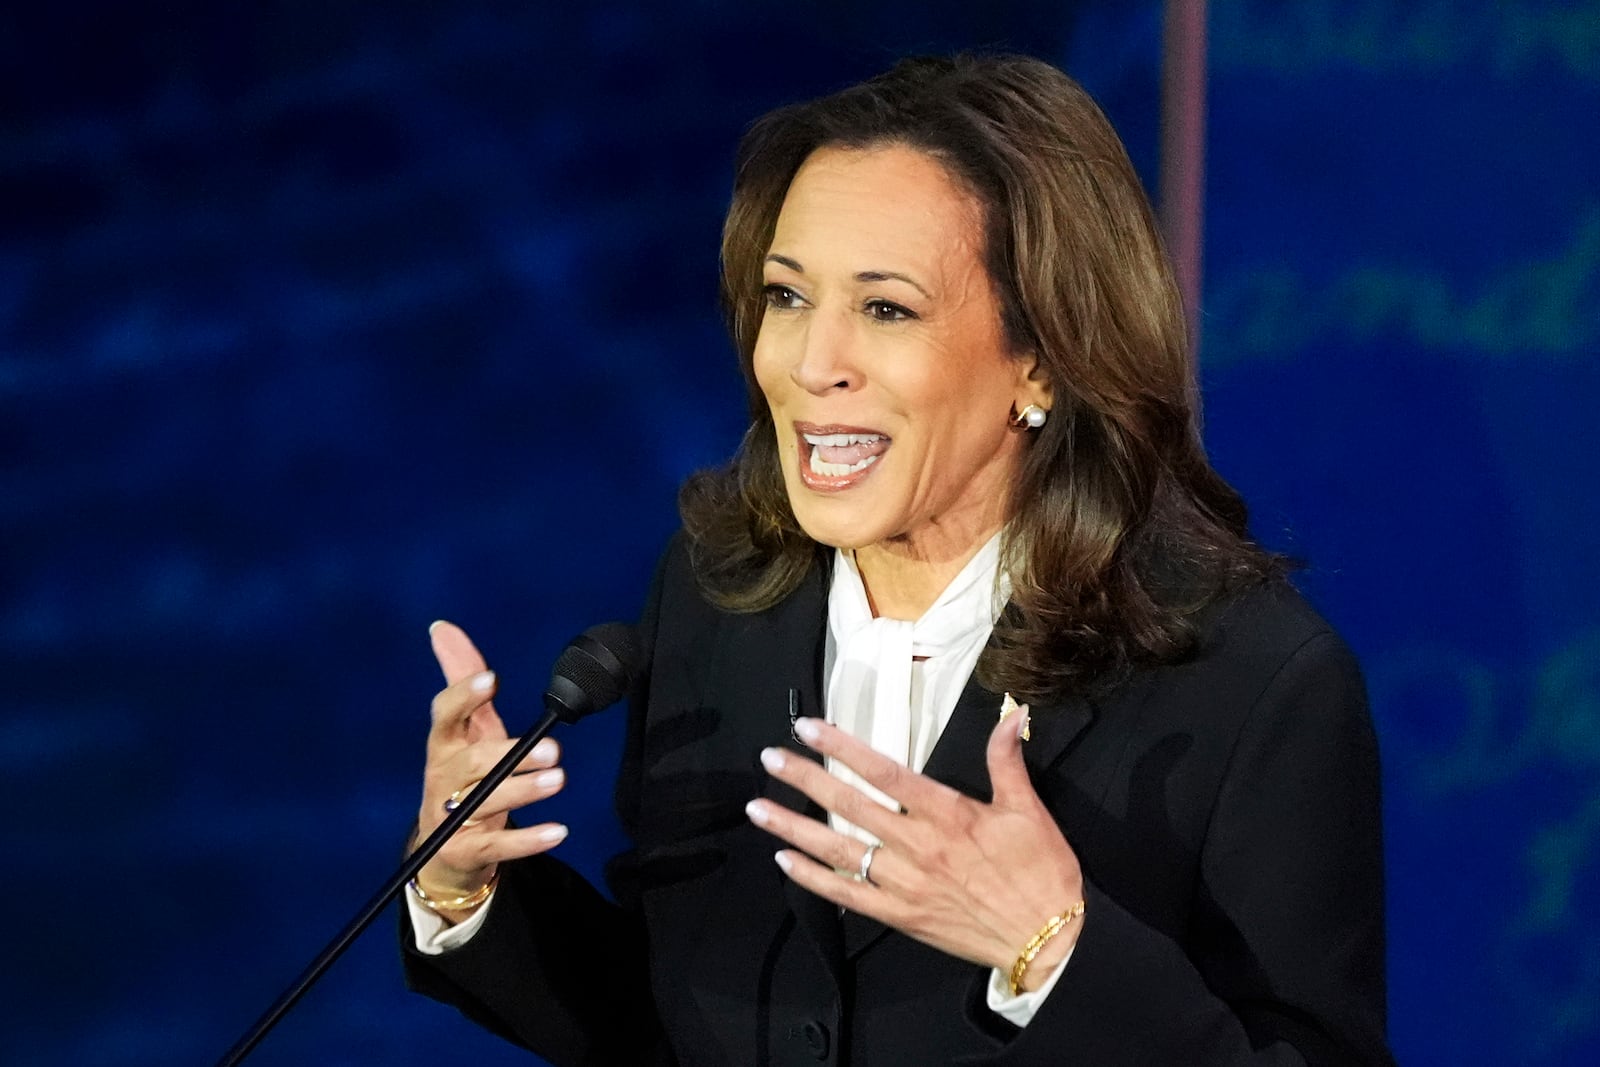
pixel 466 740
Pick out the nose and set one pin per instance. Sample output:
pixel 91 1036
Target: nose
pixel 826 358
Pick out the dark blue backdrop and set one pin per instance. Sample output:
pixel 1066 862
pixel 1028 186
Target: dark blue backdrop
pixel 323 321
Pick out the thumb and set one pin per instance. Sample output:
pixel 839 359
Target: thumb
pixel 458 657
pixel 1008 773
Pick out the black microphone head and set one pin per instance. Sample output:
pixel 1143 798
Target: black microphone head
pixel 595 671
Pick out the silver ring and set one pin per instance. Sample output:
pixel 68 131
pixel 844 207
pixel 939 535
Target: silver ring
pixel 453 801
pixel 865 874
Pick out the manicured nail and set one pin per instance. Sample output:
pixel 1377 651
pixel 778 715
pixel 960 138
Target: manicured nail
pixel 758 812
pixel 782 860
pixel 772 758
pixel 549 779
pixel 807 730
pixel 434 625
pixel 545 749
pixel 483 682
pixel 553 834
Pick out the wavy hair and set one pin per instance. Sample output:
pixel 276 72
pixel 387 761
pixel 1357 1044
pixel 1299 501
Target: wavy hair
pixel 1119 530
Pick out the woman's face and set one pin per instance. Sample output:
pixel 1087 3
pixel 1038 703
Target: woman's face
pixel 882 357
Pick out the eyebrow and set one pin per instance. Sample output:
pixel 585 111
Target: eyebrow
pixel 861 276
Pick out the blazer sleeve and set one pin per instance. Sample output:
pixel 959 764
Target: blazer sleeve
pixel 1283 959
pixel 557 968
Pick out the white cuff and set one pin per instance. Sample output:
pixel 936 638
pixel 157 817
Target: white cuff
pixel 1019 1010
pixel 435 937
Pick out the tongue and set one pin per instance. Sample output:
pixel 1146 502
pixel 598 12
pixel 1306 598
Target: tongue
pixel 850 455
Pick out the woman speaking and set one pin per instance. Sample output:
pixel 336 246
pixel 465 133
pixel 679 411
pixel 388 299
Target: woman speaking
pixel 977 729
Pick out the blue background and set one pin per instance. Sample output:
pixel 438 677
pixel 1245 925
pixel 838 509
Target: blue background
pixel 321 321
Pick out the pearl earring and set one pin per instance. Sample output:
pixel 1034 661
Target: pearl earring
pixel 1032 417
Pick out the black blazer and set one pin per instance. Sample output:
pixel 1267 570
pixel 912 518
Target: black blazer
pixel 1225 811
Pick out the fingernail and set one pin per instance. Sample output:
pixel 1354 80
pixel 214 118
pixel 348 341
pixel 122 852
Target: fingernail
pixel 807 730
pixel 483 682
pixel 772 758
pixel 782 860
pixel 434 625
pixel 545 749
pixel 549 779
pixel 757 812
pixel 553 834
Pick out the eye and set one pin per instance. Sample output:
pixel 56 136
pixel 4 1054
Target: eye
pixel 782 297
pixel 885 311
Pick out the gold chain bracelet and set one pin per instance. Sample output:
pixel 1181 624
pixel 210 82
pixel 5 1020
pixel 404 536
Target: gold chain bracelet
pixel 1050 929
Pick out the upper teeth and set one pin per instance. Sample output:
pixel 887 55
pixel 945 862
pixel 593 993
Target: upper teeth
pixel 839 440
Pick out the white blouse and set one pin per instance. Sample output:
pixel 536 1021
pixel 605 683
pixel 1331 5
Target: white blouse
pixel 895 684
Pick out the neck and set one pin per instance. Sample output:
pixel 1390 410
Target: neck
pixel 903 579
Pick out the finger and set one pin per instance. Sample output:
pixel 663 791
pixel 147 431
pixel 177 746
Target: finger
pixel 458 657
pixel 484 724
pixel 455 703
pixel 863 898
pixel 840 798
pixel 1008 772
pixel 837 850
pixel 464 712
pixel 461 662
pixel 465 862
pixel 913 791
pixel 473 852
pixel 461 769
pixel 520 790
pixel 517 791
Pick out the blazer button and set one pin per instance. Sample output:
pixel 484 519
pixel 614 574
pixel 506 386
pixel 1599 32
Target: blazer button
pixel 816 1037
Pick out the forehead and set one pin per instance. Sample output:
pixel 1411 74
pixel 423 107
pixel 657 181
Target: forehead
pixel 893 205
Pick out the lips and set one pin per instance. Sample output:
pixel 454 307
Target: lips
pixel 837 457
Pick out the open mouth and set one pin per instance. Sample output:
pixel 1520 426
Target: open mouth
pixel 836 456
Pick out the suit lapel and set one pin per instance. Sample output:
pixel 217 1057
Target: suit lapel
pixel 960 759
pixel 795 656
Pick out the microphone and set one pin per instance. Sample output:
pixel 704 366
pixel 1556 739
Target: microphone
pixel 594 671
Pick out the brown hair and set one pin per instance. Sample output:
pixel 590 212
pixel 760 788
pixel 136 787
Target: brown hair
pixel 1120 530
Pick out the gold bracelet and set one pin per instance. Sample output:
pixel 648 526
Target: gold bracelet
pixel 1050 929
pixel 466 903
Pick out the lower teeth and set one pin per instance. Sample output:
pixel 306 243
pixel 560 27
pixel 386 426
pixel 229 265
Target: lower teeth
pixel 837 470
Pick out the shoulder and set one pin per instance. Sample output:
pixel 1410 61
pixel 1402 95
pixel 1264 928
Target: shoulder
pixel 1288 688
pixel 691 575
pixel 1264 659
pixel 676 589
pixel 675 566
pixel 681 611
pixel 1260 631
pixel 675 600
pixel 1271 705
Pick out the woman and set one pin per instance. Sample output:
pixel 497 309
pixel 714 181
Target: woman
pixel 972 478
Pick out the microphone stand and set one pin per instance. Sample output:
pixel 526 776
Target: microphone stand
pixel 391 889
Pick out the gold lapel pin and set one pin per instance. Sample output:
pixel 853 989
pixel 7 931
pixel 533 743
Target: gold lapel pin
pixel 1007 706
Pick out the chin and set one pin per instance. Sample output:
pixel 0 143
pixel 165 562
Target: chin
pixel 834 527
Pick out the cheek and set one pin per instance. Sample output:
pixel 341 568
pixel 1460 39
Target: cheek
pixel 958 390
pixel 968 406
pixel 764 365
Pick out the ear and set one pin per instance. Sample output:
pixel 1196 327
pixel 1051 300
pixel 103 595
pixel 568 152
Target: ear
pixel 1033 384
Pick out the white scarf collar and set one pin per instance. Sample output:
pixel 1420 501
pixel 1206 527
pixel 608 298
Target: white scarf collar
pixel 870 677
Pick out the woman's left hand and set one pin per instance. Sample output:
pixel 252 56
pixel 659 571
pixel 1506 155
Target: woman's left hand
pixel 974 880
